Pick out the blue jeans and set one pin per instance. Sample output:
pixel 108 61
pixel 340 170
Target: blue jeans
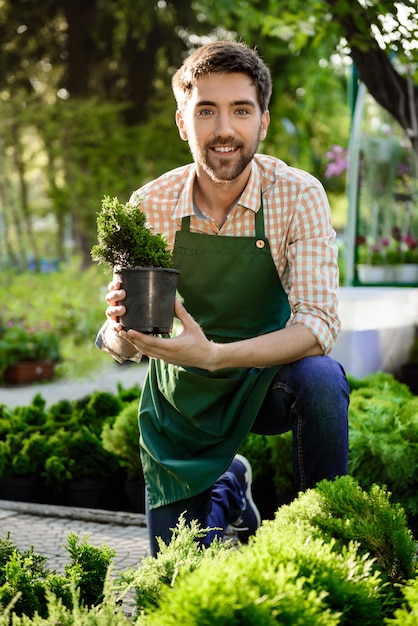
pixel 310 397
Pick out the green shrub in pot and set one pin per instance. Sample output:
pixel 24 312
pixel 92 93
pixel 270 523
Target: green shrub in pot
pixel 142 261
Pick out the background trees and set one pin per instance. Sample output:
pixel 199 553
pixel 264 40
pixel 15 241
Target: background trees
pixel 86 107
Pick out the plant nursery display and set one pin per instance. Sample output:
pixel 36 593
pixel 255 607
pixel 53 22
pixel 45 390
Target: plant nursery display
pixel 27 354
pixel 142 262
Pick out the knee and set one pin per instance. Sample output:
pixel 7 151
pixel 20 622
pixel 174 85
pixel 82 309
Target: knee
pixel 318 375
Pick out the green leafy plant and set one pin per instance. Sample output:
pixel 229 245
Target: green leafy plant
pixel 384 438
pixel 77 455
pixel 32 591
pixel 125 240
pixel 88 566
pixel 20 343
pixel 122 439
pixel 183 554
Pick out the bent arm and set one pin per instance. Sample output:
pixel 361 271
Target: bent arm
pixel 277 348
pixel 191 348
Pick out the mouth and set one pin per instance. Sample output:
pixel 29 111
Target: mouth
pixel 223 150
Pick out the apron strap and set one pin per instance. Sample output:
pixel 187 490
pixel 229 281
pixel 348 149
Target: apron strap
pixel 185 223
pixel 258 221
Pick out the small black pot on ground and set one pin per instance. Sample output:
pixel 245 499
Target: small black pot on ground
pixel 150 295
pixel 134 491
pixel 409 376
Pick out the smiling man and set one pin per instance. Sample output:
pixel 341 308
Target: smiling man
pixel 257 308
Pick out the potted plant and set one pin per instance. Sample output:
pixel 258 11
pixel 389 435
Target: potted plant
pixel 143 263
pixel 374 266
pixel 27 354
pixel 407 270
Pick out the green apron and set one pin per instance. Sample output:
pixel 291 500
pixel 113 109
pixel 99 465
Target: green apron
pixel 192 421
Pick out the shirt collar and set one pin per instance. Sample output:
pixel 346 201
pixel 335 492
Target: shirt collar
pixel 250 197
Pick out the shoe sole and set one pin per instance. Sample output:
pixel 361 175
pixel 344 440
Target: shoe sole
pixel 249 480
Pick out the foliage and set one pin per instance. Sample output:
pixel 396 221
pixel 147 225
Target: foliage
pixel 21 577
pixel 336 555
pixel 77 455
pixel 20 343
pixel 407 615
pixel 63 442
pixel 88 567
pixel 374 252
pixel 384 437
pixel 183 554
pixel 122 439
pixel 344 511
pixel 125 240
pixel 69 304
pixel 293 570
pixel 27 585
pixel 101 120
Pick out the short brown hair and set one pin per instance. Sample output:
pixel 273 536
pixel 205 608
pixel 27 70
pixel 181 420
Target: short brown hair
pixel 222 57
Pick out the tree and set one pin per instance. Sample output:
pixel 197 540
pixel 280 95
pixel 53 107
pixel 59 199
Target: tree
pixel 380 37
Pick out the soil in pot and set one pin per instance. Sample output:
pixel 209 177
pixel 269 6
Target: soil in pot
pixel 150 295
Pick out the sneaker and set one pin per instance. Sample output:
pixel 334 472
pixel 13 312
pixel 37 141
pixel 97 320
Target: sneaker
pixel 249 518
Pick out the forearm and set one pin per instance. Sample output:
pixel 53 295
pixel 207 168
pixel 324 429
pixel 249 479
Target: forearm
pixel 277 348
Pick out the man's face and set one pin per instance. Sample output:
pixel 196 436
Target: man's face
pixel 223 124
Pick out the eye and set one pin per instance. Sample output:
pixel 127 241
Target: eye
pixel 242 112
pixel 205 112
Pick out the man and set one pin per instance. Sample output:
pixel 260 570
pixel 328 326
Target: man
pixel 253 241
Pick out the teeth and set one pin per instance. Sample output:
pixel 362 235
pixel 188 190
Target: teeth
pixel 225 149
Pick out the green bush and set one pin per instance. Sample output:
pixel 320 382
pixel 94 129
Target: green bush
pixel 183 554
pixel 27 583
pixel 383 419
pixel 407 615
pixel 325 559
pixel 290 573
pixel 125 240
pixel 122 439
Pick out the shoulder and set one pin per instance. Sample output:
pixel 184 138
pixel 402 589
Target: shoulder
pixel 274 171
pixel 169 185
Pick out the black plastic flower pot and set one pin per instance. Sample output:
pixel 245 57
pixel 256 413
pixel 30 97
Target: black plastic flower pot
pixel 150 295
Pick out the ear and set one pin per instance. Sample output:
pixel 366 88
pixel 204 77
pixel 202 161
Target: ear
pixel 265 121
pixel 181 125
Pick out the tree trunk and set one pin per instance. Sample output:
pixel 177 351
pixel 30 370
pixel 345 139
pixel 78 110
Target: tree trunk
pixel 81 18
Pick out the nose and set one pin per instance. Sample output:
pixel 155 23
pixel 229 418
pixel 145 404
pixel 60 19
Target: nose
pixel 224 125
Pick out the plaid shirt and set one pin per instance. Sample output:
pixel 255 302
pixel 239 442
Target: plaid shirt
pixel 297 224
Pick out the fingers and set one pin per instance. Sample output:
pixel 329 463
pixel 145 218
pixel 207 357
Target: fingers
pixel 181 313
pixel 113 298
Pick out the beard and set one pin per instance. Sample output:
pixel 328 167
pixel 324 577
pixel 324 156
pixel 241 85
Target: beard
pixel 222 170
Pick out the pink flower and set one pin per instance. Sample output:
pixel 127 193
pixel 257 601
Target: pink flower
pixel 338 163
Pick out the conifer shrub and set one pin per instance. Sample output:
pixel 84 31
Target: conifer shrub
pixel 125 240
pixel 342 510
pixel 335 555
pixel 183 554
pixel 88 567
pixel 122 439
pixel 289 578
pixel 383 419
pixel 407 614
pixel 28 588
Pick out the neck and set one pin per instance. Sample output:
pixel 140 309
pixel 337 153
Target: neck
pixel 217 199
